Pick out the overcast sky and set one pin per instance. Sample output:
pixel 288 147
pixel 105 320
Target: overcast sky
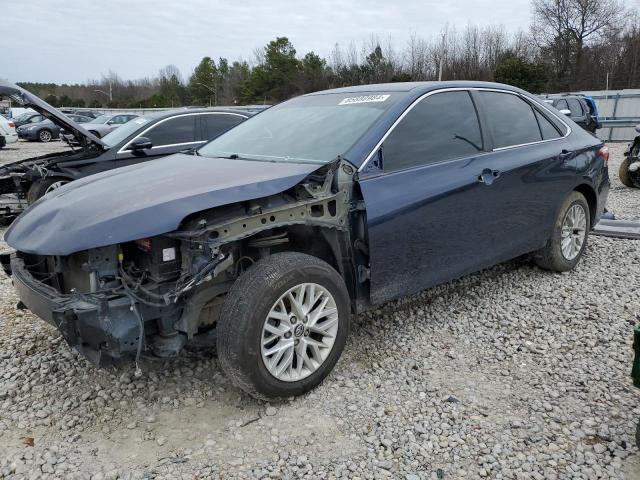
pixel 72 41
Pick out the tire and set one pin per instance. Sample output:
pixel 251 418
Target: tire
pixel 623 172
pixel 552 257
pixel 247 310
pixel 638 435
pixel 45 136
pixel 43 186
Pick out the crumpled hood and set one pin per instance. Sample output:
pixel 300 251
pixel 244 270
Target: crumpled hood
pixel 143 200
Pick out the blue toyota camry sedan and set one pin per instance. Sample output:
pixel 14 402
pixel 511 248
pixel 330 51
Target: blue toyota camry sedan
pixel 267 240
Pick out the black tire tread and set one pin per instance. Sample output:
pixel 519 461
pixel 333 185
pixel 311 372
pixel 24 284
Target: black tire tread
pixel 550 256
pixel 238 304
pixel 39 187
pixel 624 175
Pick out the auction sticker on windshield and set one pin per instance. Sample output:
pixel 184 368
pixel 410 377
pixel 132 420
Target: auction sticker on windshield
pixel 364 99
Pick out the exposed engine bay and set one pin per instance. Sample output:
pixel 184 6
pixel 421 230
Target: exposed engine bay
pixel 155 295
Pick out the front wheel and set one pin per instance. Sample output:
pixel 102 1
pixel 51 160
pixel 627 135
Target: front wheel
pixel 283 326
pixel 569 237
pixel 43 186
pixel 45 136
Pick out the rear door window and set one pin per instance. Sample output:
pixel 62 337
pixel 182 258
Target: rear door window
pixel 512 120
pixel 440 127
pixel 177 130
pixel 562 105
pixel 215 124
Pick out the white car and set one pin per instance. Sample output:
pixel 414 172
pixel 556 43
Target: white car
pixel 7 132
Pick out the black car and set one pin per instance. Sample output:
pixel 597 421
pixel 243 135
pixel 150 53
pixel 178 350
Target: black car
pixel 142 139
pixel 578 108
pixel 46 130
pixel 277 232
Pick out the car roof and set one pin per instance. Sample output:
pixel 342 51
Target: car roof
pixel 415 87
pixel 189 110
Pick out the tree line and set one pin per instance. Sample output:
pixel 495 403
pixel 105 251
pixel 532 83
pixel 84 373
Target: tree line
pixel 571 45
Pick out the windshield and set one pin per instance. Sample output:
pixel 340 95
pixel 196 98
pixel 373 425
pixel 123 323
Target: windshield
pixel 119 134
pixel 101 119
pixel 22 117
pixel 313 129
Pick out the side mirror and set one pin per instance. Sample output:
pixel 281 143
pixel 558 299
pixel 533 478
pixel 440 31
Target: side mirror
pixel 140 143
pixel 566 112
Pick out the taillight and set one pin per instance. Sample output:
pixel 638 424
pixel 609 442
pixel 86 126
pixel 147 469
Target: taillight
pixel 604 154
pixel 12 125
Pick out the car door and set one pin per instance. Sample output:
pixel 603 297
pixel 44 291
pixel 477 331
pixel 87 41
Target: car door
pixel 429 217
pixel 167 136
pixel 536 165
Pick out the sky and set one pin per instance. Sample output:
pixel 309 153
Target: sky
pixel 72 41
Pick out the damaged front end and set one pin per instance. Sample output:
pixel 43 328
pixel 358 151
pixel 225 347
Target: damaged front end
pixel 16 178
pixel 155 295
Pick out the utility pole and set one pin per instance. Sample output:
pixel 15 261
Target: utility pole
pixel 442 53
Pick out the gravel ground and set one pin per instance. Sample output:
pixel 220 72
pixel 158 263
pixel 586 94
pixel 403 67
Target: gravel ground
pixel 23 149
pixel 512 373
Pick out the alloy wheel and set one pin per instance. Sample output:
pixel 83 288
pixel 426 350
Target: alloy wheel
pixel 299 332
pixel 45 136
pixel 55 186
pixel 574 231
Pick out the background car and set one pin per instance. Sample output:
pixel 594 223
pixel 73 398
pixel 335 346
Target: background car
pixel 80 111
pixel 579 108
pixel 7 132
pixel 107 123
pixel 46 130
pixel 27 117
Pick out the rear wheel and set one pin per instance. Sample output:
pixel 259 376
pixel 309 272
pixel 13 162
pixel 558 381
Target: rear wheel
pixel 45 135
pixel 569 237
pixel 41 187
pixel 283 326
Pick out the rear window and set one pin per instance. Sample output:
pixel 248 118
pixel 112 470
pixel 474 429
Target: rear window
pixel 575 107
pixel 512 120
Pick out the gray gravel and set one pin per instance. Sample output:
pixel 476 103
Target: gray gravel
pixel 512 373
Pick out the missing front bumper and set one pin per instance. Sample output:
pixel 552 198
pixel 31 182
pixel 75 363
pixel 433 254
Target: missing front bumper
pixel 105 330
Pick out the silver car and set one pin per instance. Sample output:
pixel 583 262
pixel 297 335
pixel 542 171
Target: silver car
pixel 107 123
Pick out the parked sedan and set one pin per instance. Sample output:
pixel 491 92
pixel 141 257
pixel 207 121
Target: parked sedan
pixel 105 124
pixel 278 231
pixel 143 139
pixel 46 130
pixel 28 118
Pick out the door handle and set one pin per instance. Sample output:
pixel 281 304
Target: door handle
pixel 565 154
pixel 489 176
